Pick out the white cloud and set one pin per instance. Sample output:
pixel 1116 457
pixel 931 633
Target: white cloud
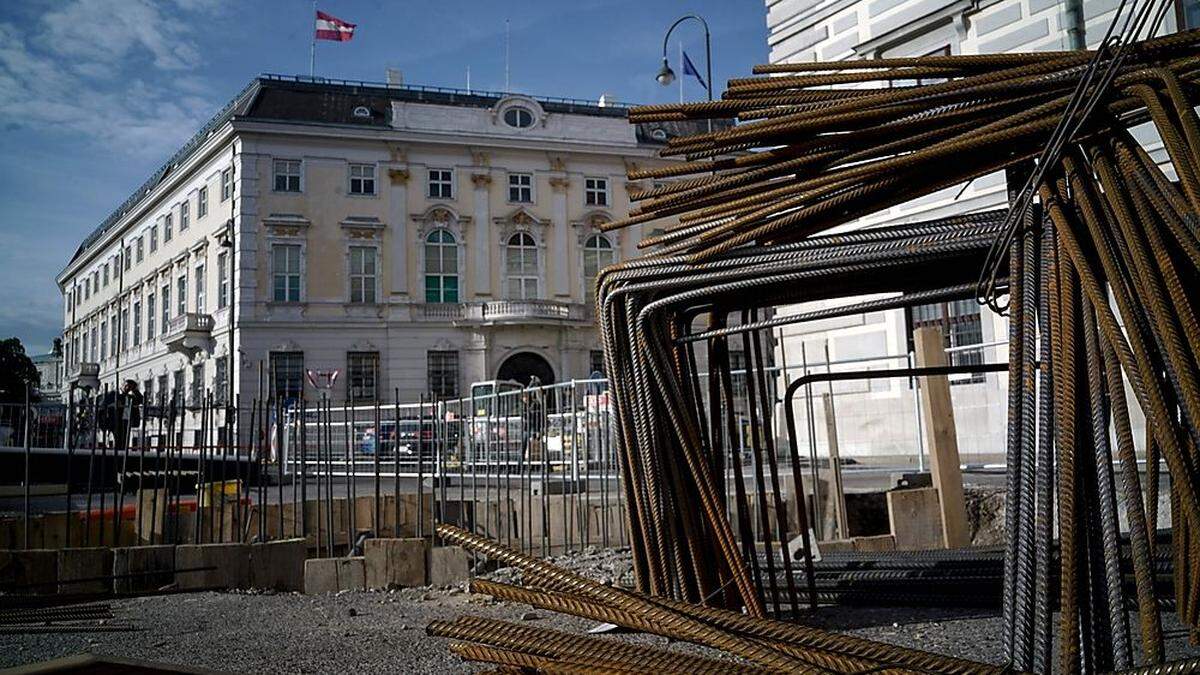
pixel 111 71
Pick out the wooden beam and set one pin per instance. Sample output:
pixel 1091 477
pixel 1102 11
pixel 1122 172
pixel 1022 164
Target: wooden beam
pixel 835 464
pixel 941 439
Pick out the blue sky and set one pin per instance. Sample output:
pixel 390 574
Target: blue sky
pixel 95 94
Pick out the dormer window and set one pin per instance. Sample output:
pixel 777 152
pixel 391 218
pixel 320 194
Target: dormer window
pixel 518 117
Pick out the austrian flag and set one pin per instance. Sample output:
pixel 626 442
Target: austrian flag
pixel 333 28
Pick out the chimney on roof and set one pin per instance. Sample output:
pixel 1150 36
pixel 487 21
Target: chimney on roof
pixel 606 99
pixel 395 77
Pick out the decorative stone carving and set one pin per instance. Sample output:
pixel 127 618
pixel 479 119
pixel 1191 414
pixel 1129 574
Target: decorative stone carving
pixel 480 158
pixel 398 176
pixel 557 164
pixel 560 184
pixel 481 179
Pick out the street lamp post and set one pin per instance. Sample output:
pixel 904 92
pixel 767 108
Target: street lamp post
pixel 666 76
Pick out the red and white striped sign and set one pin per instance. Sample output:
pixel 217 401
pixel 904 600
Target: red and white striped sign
pixel 333 28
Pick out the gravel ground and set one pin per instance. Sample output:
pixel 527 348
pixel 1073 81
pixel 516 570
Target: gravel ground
pixel 255 632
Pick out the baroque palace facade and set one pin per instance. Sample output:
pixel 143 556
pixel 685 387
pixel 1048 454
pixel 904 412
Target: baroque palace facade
pixel 414 239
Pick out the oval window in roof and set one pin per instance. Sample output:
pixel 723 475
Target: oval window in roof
pixel 518 117
pixel 362 111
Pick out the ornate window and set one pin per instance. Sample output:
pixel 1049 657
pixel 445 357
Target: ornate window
pixel 598 253
pixel 226 184
pixel 442 372
pixel 222 280
pixel 181 284
pixel 441 267
pixel 520 187
pixel 518 117
pixel 285 272
pixel 362 274
pixel 362 369
pixel 137 322
pixel 521 266
pixel 287 175
pixel 595 191
pixel 961 324
pixel 362 179
pixel 200 294
pixel 150 310
pixel 166 305
pixel 441 184
pixel 287 374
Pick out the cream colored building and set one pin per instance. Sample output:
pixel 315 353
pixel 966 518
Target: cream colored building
pixel 414 239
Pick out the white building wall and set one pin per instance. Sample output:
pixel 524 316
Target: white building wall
pixel 561 152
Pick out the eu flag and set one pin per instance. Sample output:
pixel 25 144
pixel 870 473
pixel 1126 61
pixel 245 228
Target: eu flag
pixel 690 69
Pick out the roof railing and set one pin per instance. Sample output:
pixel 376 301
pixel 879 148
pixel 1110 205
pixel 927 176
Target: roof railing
pixel 453 91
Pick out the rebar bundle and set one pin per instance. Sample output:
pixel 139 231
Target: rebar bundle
pixel 1097 264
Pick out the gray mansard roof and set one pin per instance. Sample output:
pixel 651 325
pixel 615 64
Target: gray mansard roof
pixel 325 101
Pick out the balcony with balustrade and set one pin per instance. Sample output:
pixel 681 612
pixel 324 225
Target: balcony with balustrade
pixel 189 333
pixel 497 312
pixel 86 374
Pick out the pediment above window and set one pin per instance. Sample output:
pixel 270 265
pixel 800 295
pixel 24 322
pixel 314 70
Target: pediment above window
pixel 286 224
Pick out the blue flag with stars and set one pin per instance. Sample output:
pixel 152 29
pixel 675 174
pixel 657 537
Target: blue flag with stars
pixel 690 69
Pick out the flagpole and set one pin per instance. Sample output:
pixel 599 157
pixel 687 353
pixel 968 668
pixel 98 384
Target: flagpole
pixel 682 78
pixel 312 57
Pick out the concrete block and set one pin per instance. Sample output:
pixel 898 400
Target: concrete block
pixel 75 564
pixel 54 530
pixel 392 563
pixel 915 518
pixel 448 565
pixel 330 575
pixel 231 563
pixel 152 514
pixel 149 568
pixel 278 565
pixel 31 572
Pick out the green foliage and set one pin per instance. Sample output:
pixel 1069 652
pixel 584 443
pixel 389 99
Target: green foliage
pixel 16 372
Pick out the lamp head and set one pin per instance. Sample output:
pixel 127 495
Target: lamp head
pixel 665 75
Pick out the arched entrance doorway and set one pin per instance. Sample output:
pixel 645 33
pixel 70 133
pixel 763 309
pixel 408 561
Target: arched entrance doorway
pixel 522 366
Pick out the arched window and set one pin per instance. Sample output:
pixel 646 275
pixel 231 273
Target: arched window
pixel 521 264
pixel 598 253
pixel 518 117
pixel 441 267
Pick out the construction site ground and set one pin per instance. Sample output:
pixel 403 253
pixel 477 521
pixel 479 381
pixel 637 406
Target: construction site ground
pixel 383 631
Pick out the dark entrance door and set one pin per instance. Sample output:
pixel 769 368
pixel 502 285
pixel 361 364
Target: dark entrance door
pixel 522 366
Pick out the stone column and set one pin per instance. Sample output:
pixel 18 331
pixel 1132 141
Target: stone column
pixel 482 228
pixel 558 215
pixel 398 222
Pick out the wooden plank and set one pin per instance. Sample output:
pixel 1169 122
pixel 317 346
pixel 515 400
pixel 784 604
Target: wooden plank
pixel 941 438
pixel 835 464
pixel 879 542
pixel 916 518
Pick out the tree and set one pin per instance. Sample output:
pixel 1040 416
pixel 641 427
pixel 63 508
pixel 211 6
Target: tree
pixel 16 372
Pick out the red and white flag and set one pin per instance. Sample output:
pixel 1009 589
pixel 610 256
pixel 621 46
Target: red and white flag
pixel 333 28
